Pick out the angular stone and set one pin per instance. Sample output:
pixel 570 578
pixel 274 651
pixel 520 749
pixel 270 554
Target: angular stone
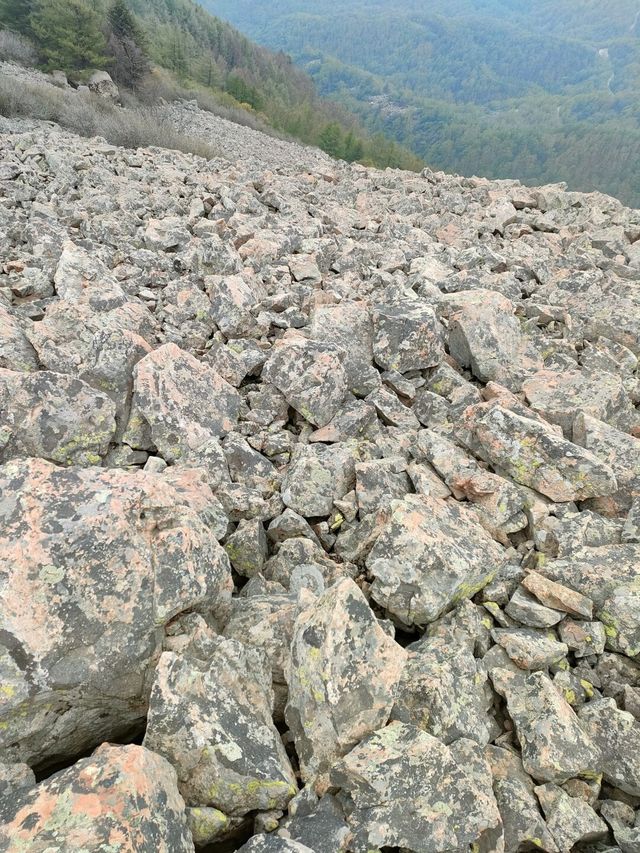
pixel 320 824
pixel 527 610
pixel 583 638
pixel 318 475
pixel 448 789
pixel 233 301
pixel 208 825
pixel 349 327
pixel 120 795
pixel 180 406
pixel 529 648
pixel 166 235
pixel 310 375
pixel 559 597
pixel 16 353
pixel 442 692
pixel 559 396
pixel 617 449
pixel 14 777
pixel 247 547
pixel 631 529
pixel 430 555
pixel 94 563
pixel 266 622
pixel 273 844
pixel 616 734
pixel 212 721
pixel 380 481
pixel 408 336
pixel 342 677
pixel 570 820
pixel 522 823
pixel 487 338
pixel 608 576
pixel 555 746
pixel 53 416
pixel 535 456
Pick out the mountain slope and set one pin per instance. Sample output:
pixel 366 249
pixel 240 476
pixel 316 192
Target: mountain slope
pixel 541 91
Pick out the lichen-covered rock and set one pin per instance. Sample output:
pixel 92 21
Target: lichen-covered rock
pixel 535 456
pixel 93 564
pixel 608 576
pixel 16 352
pixel 211 719
pixel 342 676
pixel 349 327
pixel 318 823
pixel 408 336
pixel 181 407
pixel 569 819
pixel 430 555
pixel 487 338
pixel 522 823
pixel 530 648
pixel 442 691
pixel 232 302
pixel 617 735
pixel 406 789
pixel 273 844
pixel 122 795
pixel 555 745
pixel 311 376
pixel 53 416
pixel 317 476
pixel 559 395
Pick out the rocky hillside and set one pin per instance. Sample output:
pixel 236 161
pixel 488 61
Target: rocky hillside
pixel 319 505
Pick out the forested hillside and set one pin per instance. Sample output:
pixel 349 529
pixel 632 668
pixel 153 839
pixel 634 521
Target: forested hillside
pixel 545 90
pixel 204 58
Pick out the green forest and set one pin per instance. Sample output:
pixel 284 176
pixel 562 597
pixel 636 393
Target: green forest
pixel 175 46
pixel 541 90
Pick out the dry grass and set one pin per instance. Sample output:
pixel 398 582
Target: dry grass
pixel 15 48
pixel 137 126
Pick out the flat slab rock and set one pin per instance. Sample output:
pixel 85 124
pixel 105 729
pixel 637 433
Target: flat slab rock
pixel 431 554
pixel 122 795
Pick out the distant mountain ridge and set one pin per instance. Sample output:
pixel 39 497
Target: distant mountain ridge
pixel 541 90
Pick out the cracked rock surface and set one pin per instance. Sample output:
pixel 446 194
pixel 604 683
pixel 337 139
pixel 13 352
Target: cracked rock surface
pixel 319 504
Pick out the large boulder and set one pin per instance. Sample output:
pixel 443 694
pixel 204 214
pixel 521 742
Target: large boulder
pixel 212 719
pixel 93 564
pixel 431 554
pixel 405 788
pixel 53 416
pixel 342 677
pixel 100 83
pixel 122 797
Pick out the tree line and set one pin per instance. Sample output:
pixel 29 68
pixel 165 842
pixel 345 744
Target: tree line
pixel 130 38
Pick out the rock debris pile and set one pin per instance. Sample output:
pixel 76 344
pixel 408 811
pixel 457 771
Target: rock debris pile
pixel 319 507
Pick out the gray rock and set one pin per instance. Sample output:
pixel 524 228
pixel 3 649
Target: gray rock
pixel 120 792
pixel 617 735
pixel 408 336
pixel 537 457
pixel 212 721
pixel 442 692
pixel 569 819
pixel 555 744
pixel 449 789
pixel 55 417
pixel 342 677
pixel 85 594
pixel 310 375
pixel 429 556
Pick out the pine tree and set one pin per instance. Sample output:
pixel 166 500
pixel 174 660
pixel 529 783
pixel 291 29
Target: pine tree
pixel 331 140
pixel 127 47
pixel 122 23
pixel 16 15
pixel 69 34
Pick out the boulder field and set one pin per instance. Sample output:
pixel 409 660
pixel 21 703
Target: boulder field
pixel 319 505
